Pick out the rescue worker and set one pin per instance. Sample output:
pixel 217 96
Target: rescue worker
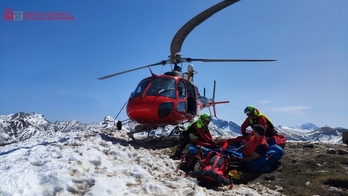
pixel 256 117
pixel 196 133
pixel 256 146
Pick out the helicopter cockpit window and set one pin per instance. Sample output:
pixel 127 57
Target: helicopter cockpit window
pixel 140 88
pixel 182 90
pixel 162 87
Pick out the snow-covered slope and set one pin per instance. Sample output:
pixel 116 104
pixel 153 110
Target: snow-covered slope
pixel 97 161
pixel 327 135
pixel 293 133
pixel 73 158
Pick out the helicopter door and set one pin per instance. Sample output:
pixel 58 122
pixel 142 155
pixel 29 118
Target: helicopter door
pixel 191 100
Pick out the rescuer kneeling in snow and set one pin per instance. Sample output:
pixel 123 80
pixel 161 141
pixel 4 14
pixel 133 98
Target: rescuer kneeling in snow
pixel 196 133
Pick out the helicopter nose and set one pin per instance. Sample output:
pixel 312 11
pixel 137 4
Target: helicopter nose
pixel 149 110
pixel 164 109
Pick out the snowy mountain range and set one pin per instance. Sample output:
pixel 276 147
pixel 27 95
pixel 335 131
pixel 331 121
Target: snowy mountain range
pixel 22 126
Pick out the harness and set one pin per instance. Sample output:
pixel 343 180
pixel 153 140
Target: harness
pixel 192 133
pixel 253 121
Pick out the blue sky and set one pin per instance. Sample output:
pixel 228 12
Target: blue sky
pixel 51 67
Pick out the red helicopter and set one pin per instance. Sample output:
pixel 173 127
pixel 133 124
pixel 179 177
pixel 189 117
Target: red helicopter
pixel 172 98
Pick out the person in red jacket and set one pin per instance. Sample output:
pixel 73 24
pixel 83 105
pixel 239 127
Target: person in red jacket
pixel 256 117
pixel 256 146
pixel 196 133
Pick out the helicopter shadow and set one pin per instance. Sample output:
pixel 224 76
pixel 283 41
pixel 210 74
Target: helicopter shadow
pixel 151 143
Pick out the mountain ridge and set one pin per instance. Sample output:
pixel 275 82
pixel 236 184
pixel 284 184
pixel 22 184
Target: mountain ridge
pixel 21 126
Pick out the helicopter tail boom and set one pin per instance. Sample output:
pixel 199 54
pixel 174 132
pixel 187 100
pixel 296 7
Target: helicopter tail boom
pixel 212 104
pixel 209 102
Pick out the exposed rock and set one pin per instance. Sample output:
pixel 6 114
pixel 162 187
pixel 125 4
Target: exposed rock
pixel 308 145
pixel 342 152
pixel 331 151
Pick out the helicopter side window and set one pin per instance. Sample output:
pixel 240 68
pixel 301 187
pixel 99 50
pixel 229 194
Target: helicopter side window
pixel 182 90
pixel 140 88
pixel 162 87
pixel 181 106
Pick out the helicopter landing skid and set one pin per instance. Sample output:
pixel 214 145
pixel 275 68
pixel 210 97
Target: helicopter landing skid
pixel 140 128
pixel 177 130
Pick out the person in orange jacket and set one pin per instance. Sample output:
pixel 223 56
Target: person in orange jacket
pixel 256 146
pixel 257 117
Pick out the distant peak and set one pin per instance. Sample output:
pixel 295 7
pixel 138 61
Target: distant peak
pixel 109 118
pixel 309 126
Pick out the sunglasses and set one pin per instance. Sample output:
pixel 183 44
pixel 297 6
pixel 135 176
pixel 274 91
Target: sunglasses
pixel 248 113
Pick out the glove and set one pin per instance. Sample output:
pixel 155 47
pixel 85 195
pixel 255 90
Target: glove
pixel 213 145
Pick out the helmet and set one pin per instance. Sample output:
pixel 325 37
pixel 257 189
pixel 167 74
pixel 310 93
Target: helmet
pixel 249 109
pixel 206 117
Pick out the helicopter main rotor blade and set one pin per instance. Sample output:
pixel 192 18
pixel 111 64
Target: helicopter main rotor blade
pixel 228 60
pixel 130 70
pixel 181 35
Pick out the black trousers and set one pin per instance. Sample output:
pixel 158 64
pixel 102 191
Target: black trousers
pixel 184 141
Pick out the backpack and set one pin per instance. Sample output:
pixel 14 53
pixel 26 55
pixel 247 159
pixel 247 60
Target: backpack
pixel 277 139
pixel 213 171
pixel 268 161
pixel 190 159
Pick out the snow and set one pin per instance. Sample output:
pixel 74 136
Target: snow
pixel 97 162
